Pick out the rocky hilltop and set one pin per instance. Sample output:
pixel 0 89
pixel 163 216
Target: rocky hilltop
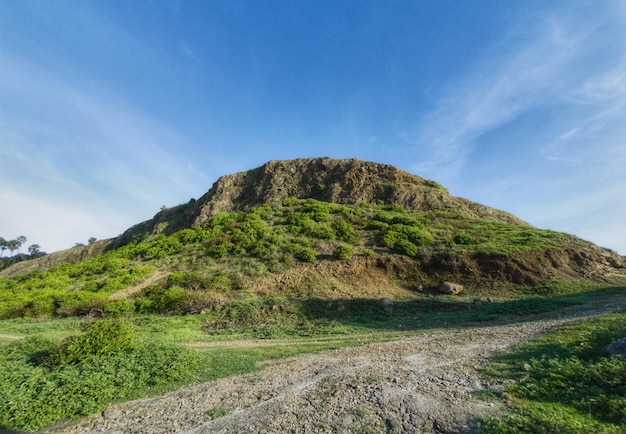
pixel 347 181
pixel 452 253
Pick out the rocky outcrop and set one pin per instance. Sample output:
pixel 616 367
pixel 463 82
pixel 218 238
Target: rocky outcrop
pixel 348 181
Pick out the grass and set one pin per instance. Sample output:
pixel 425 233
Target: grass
pixel 565 381
pixel 42 381
pixel 168 351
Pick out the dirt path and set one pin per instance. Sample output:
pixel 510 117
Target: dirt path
pixel 427 383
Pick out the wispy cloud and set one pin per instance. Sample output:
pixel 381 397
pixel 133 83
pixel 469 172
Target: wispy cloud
pixel 529 69
pixel 74 149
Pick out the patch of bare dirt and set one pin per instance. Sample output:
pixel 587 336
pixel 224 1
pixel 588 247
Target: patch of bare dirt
pixel 131 290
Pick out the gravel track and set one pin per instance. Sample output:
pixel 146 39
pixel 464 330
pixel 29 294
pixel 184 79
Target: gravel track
pixel 427 383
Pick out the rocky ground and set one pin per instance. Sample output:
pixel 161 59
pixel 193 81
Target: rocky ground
pixel 429 383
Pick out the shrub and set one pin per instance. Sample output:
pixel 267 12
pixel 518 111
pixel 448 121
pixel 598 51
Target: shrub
pixel 378 225
pixel 221 284
pixel 396 207
pixel 318 211
pixel 306 254
pixel 290 201
pixel 405 247
pixel 119 307
pixel 103 337
pixel 391 237
pixel 34 396
pixel 369 253
pixel 419 236
pixel 383 216
pixel 465 239
pixel 345 231
pixel 343 252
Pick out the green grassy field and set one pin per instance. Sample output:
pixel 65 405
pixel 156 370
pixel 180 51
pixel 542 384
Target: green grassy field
pixel 46 362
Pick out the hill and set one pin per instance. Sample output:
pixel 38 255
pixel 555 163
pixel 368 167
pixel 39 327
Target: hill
pixel 465 240
pixel 315 227
pixel 349 182
pixel 304 255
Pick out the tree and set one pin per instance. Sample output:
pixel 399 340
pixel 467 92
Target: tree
pixel 91 240
pixel 3 246
pixel 33 249
pixel 13 245
pixel 21 240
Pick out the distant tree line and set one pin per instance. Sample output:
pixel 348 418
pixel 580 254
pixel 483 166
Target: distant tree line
pixel 15 245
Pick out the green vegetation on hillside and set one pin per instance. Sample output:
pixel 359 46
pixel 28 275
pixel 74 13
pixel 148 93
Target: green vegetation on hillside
pixel 217 257
pixel 566 381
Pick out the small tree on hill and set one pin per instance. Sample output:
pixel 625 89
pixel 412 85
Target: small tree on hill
pixel 33 249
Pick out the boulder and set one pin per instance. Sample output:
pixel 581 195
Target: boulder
pixel 450 288
pixel 617 348
pixel 387 304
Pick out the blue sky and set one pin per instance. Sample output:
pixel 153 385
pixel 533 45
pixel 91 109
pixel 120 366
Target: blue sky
pixel 111 109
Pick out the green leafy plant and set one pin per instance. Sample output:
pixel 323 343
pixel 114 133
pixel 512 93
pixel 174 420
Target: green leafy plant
pixel 343 252
pixel 101 338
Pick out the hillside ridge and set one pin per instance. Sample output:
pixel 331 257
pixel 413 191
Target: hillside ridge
pixel 354 182
pixel 342 181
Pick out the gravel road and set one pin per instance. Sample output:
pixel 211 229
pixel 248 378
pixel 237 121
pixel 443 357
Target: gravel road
pixel 429 383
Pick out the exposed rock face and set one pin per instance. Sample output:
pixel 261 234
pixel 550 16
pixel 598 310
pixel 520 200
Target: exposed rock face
pixel 349 181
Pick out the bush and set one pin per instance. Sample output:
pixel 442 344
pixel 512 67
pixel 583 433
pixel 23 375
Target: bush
pixel 369 253
pixel 465 239
pixel 102 338
pixel 405 247
pixel 391 237
pixel 306 254
pixel 119 308
pixel 343 252
pixel 345 231
pixel 290 201
pixel 419 237
pixel 34 396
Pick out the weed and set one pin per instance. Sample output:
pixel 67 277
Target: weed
pixel 216 413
